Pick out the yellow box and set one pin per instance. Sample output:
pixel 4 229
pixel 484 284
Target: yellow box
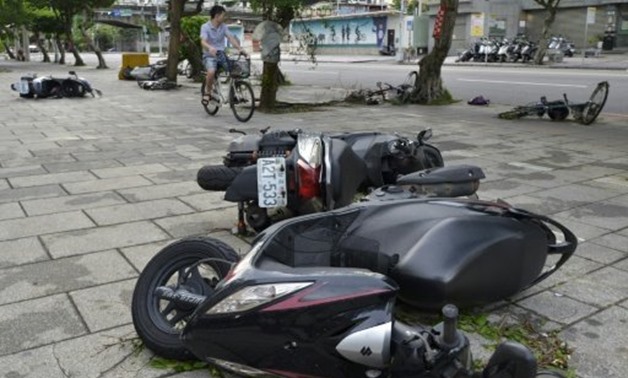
pixel 132 60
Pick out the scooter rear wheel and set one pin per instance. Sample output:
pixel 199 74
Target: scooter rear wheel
pixel 216 177
pixel 194 264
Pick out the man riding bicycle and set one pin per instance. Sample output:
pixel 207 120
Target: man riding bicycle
pixel 213 34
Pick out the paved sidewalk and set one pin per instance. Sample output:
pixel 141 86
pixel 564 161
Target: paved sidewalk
pixel 90 189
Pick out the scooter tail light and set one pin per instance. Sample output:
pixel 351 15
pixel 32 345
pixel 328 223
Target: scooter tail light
pixel 309 180
pixel 254 296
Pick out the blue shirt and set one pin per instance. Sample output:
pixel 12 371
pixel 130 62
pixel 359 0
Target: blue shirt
pixel 215 36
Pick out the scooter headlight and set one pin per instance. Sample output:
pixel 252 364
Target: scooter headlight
pixel 253 296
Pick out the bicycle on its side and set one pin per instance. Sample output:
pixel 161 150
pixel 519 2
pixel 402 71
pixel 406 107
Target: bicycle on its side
pixel 240 97
pixel 584 113
pixel 386 91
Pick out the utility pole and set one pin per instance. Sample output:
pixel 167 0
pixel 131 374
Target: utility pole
pixel 399 54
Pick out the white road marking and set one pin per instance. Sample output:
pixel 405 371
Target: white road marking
pixel 523 83
pixel 530 166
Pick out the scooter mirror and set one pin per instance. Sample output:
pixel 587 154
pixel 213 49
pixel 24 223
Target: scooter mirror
pixel 424 135
pixel 72 72
pixel 512 360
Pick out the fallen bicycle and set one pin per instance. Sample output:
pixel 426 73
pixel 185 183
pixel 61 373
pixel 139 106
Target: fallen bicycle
pixel 584 113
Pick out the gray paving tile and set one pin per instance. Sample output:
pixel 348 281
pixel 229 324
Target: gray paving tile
pixel 161 191
pixel 38 322
pixel 22 194
pixel 43 224
pixel 138 211
pixel 21 251
pixel 623 265
pixel 28 170
pixel 102 238
pixel 606 214
pixel 129 171
pixel 106 184
pixel 599 344
pixel 207 201
pixel 4 184
pixel 600 288
pixel 598 253
pixel 614 241
pixel 106 354
pixel 62 275
pixel 39 362
pixel 10 210
pixel 574 267
pixel 173 176
pixel 575 194
pixel 504 189
pixel 80 166
pixel 560 309
pixel 582 230
pixel 69 203
pixel 52 178
pixel 544 206
pixel 141 254
pixel 199 223
pixel 105 306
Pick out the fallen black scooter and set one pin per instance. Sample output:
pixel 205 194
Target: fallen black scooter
pixel 315 295
pixel 32 85
pixel 279 174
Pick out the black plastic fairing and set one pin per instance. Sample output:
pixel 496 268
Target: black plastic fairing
pixel 345 170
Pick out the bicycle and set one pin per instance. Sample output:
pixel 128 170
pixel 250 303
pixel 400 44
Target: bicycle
pixel 584 113
pixel 401 92
pixel 241 98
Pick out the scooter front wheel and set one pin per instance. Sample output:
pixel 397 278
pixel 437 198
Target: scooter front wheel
pixel 194 265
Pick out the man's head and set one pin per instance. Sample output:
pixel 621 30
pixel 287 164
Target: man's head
pixel 217 12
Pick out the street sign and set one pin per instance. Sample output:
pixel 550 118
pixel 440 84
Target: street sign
pixel 590 15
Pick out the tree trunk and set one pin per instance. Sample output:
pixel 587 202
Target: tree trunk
pixel 270 83
pixel 429 83
pixel 78 61
pixel 176 13
pixel 8 50
pixel 90 42
pixel 547 25
pixel 61 49
pixel 42 48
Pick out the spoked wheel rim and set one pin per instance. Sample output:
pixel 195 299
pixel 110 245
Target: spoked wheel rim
pixel 198 279
pixel 242 100
pixel 595 104
pixel 211 107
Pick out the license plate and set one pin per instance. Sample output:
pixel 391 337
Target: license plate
pixel 24 87
pixel 271 182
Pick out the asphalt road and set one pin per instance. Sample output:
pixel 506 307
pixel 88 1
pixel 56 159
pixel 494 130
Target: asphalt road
pixel 503 85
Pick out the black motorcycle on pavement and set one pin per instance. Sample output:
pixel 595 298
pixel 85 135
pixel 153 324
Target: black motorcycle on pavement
pixel 279 174
pixel 315 295
pixel 32 85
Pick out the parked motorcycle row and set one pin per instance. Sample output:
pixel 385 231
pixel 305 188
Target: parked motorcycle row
pixel 348 224
pixel 512 50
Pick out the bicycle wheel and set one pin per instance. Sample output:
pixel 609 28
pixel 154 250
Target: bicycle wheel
pixel 210 107
pixel 242 100
pixel 596 102
pixel 411 80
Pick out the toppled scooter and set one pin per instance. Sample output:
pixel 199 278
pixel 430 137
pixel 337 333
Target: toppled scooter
pixel 32 85
pixel 315 294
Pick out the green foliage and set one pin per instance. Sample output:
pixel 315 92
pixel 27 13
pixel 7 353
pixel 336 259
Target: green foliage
pixel 280 11
pixel 178 366
pixel 191 29
pixel 550 351
pixel 105 36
